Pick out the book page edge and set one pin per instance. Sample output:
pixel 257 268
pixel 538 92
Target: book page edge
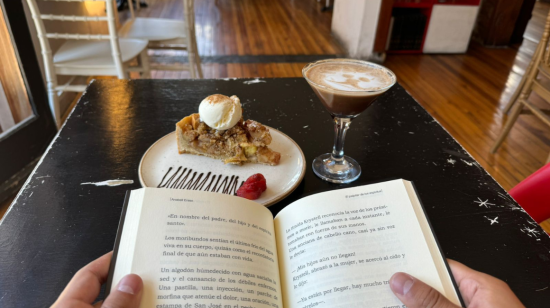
pixel 126 245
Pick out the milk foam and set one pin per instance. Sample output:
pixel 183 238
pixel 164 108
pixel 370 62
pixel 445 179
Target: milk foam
pixel 349 77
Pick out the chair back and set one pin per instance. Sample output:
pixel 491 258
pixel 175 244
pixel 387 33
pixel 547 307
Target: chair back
pixel 540 65
pixel 43 36
pixel 533 194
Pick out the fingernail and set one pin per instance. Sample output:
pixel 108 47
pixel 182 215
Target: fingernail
pixel 401 283
pixel 128 285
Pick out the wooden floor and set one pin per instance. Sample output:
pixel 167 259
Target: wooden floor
pixel 250 28
pixel 253 27
pixel 465 93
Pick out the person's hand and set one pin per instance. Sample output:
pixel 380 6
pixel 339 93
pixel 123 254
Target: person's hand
pixel 477 289
pixel 84 288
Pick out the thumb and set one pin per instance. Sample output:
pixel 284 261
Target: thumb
pixel 127 293
pixel 416 294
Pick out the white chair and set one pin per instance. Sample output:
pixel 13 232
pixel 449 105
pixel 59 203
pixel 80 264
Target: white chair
pixel 167 34
pixel 85 54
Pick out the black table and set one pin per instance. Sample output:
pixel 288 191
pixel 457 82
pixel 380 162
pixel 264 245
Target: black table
pixel 57 225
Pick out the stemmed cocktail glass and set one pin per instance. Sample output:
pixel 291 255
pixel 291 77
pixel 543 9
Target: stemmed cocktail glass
pixel 346 89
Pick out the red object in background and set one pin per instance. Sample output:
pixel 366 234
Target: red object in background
pixel 533 194
pixel 253 187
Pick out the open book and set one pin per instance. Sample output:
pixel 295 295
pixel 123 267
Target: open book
pixel 337 248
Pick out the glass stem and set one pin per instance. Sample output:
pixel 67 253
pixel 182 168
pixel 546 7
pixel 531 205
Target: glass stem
pixel 341 126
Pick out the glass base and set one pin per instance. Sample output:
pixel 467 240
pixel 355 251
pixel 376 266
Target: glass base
pixel 345 171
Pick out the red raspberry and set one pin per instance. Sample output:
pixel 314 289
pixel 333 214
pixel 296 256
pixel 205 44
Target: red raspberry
pixel 250 192
pixel 259 180
pixel 253 187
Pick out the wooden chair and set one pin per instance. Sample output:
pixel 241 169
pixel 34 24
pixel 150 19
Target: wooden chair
pixel 539 64
pixel 517 92
pixel 167 34
pixel 540 48
pixel 85 54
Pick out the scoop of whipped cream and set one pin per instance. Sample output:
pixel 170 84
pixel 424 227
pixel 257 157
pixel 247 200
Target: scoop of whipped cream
pixel 220 112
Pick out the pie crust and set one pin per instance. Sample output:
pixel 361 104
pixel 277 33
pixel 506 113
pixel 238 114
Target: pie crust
pixel 247 141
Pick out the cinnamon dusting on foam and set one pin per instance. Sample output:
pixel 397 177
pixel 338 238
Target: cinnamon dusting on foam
pixel 349 77
pixel 217 99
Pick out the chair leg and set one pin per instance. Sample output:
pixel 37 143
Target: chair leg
pixel 509 123
pixel 516 94
pixel 522 82
pixel 54 106
pixel 127 74
pixel 197 58
pixel 144 61
pixel 191 57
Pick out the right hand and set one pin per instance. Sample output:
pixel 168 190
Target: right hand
pixel 478 290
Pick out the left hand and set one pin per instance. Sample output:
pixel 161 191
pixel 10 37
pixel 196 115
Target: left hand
pixel 84 288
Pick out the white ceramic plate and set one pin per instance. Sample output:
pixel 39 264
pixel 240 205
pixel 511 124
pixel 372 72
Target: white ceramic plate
pixel 163 166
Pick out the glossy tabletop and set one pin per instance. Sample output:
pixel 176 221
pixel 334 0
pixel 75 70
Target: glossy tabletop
pixel 58 224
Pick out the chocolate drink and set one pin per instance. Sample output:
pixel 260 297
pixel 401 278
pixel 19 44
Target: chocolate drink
pixel 347 89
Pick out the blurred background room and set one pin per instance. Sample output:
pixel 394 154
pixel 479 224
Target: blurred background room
pixel 474 65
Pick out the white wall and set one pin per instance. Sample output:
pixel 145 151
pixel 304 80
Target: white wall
pixel 354 24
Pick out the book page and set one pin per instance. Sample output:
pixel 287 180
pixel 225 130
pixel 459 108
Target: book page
pixel 340 248
pixel 199 249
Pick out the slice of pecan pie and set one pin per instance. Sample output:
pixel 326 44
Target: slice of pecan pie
pixel 247 141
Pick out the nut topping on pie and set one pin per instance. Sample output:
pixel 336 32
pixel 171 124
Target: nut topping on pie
pixel 246 141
